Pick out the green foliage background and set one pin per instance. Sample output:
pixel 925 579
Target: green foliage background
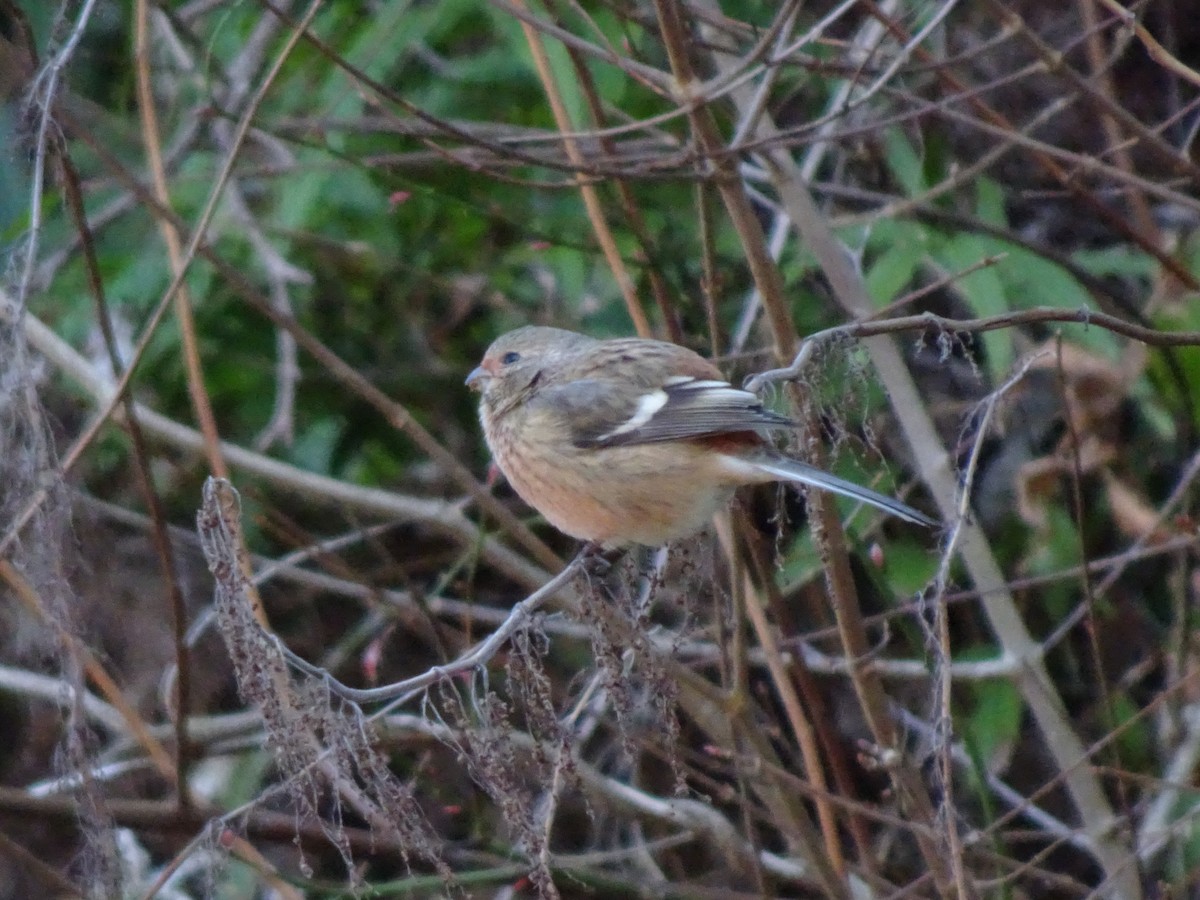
pixel 403 194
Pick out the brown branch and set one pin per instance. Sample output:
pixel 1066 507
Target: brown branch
pixel 928 320
pixel 158 817
pixel 396 414
pixel 591 197
pixel 991 119
pixel 184 314
pixel 1156 51
pixel 73 195
pixel 29 597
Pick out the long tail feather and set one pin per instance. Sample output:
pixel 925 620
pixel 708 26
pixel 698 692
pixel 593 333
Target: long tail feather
pixel 786 469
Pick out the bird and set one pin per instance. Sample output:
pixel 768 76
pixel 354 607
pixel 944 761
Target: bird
pixel 627 441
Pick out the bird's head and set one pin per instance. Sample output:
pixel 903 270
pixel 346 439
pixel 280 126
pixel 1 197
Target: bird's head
pixel 516 362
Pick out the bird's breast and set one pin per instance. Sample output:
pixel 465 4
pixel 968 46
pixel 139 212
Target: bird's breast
pixel 646 493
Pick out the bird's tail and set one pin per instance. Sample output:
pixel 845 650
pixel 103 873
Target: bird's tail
pixel 782 468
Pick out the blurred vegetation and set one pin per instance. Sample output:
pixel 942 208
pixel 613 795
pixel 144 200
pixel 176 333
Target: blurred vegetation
pixel 380 192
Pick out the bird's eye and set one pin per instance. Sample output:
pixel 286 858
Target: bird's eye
pixel 510 357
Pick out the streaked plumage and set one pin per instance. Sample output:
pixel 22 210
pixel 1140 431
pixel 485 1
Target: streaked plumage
pixel 631 440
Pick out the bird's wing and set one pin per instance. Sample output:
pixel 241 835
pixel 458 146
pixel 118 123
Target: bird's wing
pixel 605 413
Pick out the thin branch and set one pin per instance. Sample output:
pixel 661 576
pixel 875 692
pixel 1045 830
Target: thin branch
pixel 932 322
pixel 401 691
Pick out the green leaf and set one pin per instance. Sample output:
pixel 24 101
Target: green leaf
pixel 1119 261
pixel 989 203
pixel 893 270
pixel 316 444
pixel 904 162
pixel 909 566
pixel 984 291
pixel 996 718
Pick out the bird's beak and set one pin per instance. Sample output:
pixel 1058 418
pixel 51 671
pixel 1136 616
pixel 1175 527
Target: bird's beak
pixel 478 378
